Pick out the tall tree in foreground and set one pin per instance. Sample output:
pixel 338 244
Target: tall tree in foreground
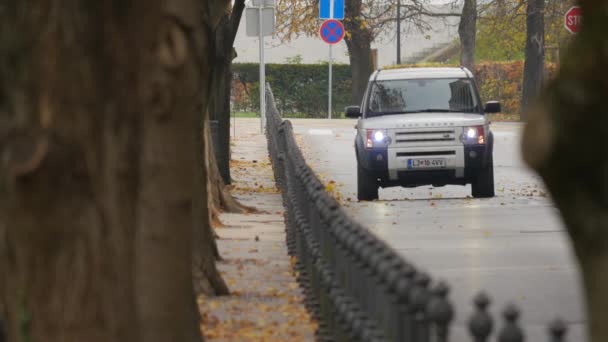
pixel 534 65
pixel 99 104
pixel 214 172
pixel 219 109
pixel 467 31
pixel 573 113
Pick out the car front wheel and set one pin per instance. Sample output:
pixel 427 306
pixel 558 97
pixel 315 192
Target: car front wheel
pixel 367 185
pixel 483 184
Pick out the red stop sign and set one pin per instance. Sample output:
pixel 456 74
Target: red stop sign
pixel 573 19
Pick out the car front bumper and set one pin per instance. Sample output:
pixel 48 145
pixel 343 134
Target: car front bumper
pixel 390 165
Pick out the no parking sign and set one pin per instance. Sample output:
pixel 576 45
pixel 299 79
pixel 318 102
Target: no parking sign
pixel 332 31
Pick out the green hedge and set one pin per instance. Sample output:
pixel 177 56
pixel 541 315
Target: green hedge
pixel 299 89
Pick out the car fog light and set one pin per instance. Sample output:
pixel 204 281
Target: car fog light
pixel 379 157
pixel 473 154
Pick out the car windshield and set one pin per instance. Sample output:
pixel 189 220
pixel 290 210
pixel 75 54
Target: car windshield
pixel 422 95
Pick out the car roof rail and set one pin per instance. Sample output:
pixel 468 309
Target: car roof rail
pixel 466 71
pixel 377 73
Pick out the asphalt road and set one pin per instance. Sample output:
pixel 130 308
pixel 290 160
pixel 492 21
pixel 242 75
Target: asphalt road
pixel 512 246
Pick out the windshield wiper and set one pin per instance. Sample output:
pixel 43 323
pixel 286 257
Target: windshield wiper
pixel 387 113
pixel 427 110
pixel 412 111
pixel 432 110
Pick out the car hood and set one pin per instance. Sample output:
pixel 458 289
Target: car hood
pixel 422 120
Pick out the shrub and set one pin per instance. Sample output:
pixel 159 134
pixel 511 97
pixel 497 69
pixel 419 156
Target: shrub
pixel 298 88
pixel 301 89
pixel 503 81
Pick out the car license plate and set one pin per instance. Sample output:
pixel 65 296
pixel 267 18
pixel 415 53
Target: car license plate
pixel 430 163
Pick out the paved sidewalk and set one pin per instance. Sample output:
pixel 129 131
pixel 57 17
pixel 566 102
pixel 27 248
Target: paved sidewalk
pixel 266 302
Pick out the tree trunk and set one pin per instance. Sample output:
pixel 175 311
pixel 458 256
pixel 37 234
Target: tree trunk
pixel 535 53
pixel 222 82
pixel 220 197
pixel 467 31
pixel 69 181
pixel 218 157
pixel 358 42
pixel 220 100
pixel 213 192
pixel 167 305
pixel 207 279
pixel 572 103
pixel 221 113
pixel 97 173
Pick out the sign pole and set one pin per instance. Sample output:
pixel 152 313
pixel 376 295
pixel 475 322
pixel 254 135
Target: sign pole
pixel 330 79
pixel 257 26
pixel 262 72
pixel 332 32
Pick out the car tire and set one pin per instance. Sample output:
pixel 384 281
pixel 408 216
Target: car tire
pixel 367 185
pixel 483 184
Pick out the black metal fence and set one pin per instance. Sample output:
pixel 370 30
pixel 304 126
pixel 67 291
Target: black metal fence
pixel 355 285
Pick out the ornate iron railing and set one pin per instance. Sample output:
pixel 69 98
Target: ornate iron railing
pixel 355 285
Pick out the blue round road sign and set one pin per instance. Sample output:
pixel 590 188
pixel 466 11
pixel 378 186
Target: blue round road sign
pixel 332 31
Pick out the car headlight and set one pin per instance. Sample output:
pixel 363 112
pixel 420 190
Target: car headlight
pixel 376 138
pixel 379 136
pixel 474 135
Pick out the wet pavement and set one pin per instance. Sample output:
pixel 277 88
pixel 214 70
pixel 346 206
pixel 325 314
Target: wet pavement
pixel 512 246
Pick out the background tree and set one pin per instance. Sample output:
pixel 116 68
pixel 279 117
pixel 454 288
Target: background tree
pixel 467 31
pixel 574 102
pixel 534 65
pixel 364 21
pixel 219 99
pixel 359 42
pixel 216 196
pixel 222 78
pixel 99 104
pixel 501 29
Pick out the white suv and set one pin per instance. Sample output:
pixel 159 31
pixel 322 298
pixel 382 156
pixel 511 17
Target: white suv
pixel 421 126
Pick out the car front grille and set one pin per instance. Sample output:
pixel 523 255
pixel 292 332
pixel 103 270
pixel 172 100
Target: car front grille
pixel 417 136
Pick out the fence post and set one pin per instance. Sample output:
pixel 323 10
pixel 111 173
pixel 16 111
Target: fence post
pixel 481 323
pixel 395 313
pixel 403 288
pixel 557 330
pixel 419 297
pixel 385 297
pixel 511 332
pixel 326 320
pixel 440 311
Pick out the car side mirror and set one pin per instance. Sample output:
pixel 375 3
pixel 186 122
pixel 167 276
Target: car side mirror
pixel 353 112
pixel 492 107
